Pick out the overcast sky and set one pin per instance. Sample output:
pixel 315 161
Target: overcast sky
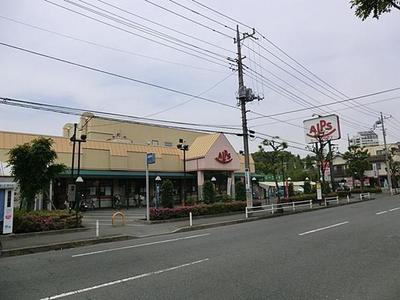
pixel 354 57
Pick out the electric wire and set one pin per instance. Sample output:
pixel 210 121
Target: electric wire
pixel 160 35
pixel 108 47
pixel 136 34
pixel 164 26
pixel 188 19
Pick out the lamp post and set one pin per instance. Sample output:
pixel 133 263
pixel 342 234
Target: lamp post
pixel 183 147
pixel 214 180
pixel 74 140
pixel 78 181
pixel 253 180
pixel 158 181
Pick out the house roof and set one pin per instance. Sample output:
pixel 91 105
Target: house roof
pixel 201 146
pixel 9 140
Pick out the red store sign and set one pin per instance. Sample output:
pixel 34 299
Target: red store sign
pixel 224 157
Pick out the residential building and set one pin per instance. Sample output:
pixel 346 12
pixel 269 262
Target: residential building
pixel 365 139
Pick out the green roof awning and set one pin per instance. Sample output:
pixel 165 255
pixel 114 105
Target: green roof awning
pixel 125 174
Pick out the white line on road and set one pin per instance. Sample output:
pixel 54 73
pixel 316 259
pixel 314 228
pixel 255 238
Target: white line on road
pixel 382 212
pixel 323 228
pixel 393 209
pixel 124 280
pixel 142 245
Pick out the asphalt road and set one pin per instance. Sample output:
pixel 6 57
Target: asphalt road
pixel 347 252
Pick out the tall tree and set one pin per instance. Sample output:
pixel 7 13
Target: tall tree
pixel 357 163
pixel 271 162
pixel 32 165
pixel 364 8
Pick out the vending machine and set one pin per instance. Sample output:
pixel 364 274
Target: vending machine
pixel 6 207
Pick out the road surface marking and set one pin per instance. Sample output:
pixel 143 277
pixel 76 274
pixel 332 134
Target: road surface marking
pixel 382 212
pixel 142 245
pixel 323 228
pixel 393 209
pixel 124 280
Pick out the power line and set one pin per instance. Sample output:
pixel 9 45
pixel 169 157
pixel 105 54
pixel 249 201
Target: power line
pixel 204 16
pixel 191 99
pixel 164 26
pixel 117 75
pixel 108 47
pixel 79 111
pixel 329 104
pixel 188 19
pixel 138 35
pixel 299 118
pixel 360 109
pixel 142 28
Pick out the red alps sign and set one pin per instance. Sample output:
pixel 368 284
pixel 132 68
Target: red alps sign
pixel 323 128
pixel 224 157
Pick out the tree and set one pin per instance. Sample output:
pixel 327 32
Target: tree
pixel 240 191
pixel 394 165
pixel 167 194
pixel 357 163
pixel 208 192
pixel 271 162
pixel 364 8
pixel 32 165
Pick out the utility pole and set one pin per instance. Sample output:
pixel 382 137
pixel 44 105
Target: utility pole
pixel 388 170
pixel 331 165
pixel 244 95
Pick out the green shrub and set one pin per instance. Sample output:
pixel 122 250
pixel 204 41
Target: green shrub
pixel 240 191
pixel 367 190
pixel 44 220
pixel 196 210
pixel 208 192
pixel 167 194
pixel 223 198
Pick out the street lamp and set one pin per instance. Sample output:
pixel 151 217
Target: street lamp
pixel 183 147
pixel 214 180
pixel 253 180
pixel 158 181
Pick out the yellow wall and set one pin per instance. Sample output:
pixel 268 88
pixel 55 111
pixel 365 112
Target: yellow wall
pixel 103 129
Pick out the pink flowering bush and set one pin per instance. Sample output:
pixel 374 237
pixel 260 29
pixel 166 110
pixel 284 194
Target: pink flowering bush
pixel 44 220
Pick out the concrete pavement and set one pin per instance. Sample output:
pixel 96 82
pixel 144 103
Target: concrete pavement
pixel 349 252
pixel 135 228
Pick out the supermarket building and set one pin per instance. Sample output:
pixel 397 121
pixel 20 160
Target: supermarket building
pixel 112 160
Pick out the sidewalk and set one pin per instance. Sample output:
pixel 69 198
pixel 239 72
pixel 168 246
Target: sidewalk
pixel 135 227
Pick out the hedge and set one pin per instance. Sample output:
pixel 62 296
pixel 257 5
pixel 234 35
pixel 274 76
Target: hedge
pixel 196 210
pixel 44 220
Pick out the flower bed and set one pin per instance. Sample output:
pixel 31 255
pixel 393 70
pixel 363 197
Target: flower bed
pixel 196 210
pixel 44 220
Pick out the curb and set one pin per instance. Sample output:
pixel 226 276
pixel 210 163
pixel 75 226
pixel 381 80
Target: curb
pixel 39 233
pixel 269 216
pixel 63 245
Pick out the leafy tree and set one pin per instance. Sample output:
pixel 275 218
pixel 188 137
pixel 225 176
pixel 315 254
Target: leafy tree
pixel 394 165
pixel 364 8
pixel 271 162
pixel 240 191
pixel 357 163
pixel 208 192
pixel 167 194
pixel 32 165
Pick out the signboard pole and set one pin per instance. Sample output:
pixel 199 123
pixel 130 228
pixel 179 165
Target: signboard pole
pixel 147 189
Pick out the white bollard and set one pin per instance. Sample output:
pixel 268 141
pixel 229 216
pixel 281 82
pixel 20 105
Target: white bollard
pixel 337 200
pixel 294 207
pixel 97 228
pixel 190 219
pixel 310 203
pixel 348 199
